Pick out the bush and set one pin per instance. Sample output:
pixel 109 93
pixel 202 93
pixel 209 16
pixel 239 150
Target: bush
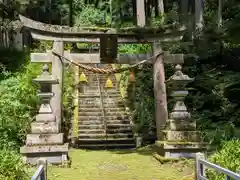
pixel 17 106
pixel 11 166
pixel 228 157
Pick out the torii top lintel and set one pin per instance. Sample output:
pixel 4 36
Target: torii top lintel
pixel 50 32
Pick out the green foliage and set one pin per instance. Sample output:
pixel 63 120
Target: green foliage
pixel 91 16
pixel 134 48
pixel 141 101
pixel 12 60
pixel 17 106
pixel 228 157
pixel 141 106
pixel 12 166
pixel 68 98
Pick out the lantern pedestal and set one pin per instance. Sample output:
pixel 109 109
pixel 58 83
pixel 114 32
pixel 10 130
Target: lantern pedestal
pixel 45 139
pixel 179 138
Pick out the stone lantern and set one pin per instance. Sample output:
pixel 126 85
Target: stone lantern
pixel 45 139
pixel 45 80
pixel 178 82
pixel 179 137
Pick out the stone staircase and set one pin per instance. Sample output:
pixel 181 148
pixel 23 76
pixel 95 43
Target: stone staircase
pixel 106 125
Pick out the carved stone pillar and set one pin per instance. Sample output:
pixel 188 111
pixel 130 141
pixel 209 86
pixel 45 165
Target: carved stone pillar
pixel 45 139
pixel 181 140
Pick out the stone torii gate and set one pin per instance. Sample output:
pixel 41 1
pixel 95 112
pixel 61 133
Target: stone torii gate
pixel 48 142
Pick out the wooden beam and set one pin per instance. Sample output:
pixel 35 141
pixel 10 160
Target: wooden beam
pixel 91 32
pixel 175 36
pixel 94 58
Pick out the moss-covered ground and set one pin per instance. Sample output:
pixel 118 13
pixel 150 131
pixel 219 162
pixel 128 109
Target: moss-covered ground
pixel 120 165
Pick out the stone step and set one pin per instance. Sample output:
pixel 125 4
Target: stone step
pixel 107 146
pixel 119 130
pixel 96 86
pixel 116 126
pixel 106 140
pixel 92 101
pixel 105 143
pixel 107 109
pixel 91 126
pixel 103 81
pixel 91 131
pixel 104 136
pixel 103 90
pixel 100 118
pixel 109 126
pixel 118 113
pixel 93 77
pixel 99 105
pixel 44 127
pixel 94 95
pixel 90 122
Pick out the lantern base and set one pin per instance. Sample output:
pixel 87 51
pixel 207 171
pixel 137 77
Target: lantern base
pixel 179 149
pixel 55 154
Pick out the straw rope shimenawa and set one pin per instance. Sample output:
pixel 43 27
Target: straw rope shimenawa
pixel 107 71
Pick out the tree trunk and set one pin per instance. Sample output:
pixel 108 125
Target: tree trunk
pixel 161 6
pixel 71 13
pixel 183 7
pixel 134 6
pixel 220 4
pixel 199 7
pixel 141 18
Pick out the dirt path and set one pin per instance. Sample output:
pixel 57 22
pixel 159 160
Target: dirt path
pixel 119 165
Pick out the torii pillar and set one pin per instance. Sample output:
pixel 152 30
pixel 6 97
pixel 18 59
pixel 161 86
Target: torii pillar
pixel 161 113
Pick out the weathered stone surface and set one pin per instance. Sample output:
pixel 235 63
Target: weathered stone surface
pixel 45 117
pixel 179 149
pixel 180 145
pixel 92 101
pixel 180 115
pixel 52 158
pixel 44 127
pixel 181 125
pixel 184 136
pixel 42 139
pixel 44 148
pixel 45 108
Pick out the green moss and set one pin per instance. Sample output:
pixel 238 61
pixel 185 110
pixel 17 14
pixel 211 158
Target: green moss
pixel 163 160
pixel 178 142
pixel 133 29
pixel 118 165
